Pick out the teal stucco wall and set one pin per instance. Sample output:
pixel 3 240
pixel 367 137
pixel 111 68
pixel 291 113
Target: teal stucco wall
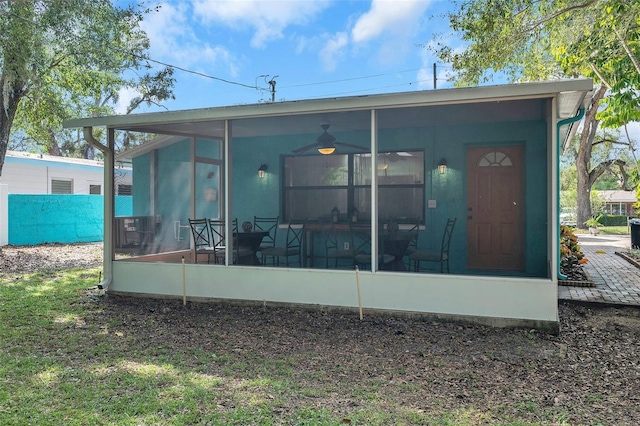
pixel 41 218
pixel 251 195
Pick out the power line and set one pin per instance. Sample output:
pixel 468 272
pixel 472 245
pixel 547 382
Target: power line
pixel 349 79
pixel 368 90
pixel 190 71
pixel 271 83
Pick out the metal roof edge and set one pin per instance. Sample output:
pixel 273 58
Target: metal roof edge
pixel 400 99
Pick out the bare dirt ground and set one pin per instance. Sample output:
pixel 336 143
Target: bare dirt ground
pixel 21 259
pixel 588 374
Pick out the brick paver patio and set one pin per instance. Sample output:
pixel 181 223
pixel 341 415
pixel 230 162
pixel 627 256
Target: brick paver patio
pixel 616 280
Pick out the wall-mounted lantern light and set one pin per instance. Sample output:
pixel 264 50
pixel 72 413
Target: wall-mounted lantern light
pixel 442 166
pixel 262 170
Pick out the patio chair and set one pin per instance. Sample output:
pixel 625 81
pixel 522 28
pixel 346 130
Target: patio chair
pixel 441 256
pixel 333 252
pixel 268 224
pixel 292 247
pixel 218 239
pixel 202 242
pixel 361 237
pixel 413 244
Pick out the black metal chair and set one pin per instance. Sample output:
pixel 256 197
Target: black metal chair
pixel 361 237
pixel 268 224
pixel 442 256
pixel 218 239
pixel 292 247
pixel 333 251
pixel 413 244
pixel 202 242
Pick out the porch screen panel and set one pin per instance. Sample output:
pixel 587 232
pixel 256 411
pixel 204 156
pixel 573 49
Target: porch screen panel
pixel 400 185
pixel 172 194
pixel 208 178
pixel 313 185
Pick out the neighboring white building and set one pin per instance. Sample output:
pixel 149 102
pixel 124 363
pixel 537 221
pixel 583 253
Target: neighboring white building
pixel 26 173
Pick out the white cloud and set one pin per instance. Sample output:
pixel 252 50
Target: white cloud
pixel 425 74
pixel 173 41
pixel 395 19
pixel 633 130
pixel 332 50
pixel 124 98
pixel 268 19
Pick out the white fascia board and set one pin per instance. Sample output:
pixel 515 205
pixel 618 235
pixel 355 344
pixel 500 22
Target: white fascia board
pixel 405 99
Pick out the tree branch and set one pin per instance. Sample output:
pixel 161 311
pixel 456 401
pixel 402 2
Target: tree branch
pixel 600 76
pixel 610 141
pixel 561 12
pixel 603 167
pixel 627 49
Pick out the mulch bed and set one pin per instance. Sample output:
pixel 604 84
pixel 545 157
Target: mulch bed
pixel 576 277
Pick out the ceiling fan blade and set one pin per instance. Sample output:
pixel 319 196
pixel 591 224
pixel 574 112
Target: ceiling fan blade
pixel 304 148
pixel 361 148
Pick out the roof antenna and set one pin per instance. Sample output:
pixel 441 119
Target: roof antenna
pixel 272 84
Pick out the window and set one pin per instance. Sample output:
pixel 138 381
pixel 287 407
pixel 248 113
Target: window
pixel 95 189
pixel 495 159
pixel 314 185
pixel 124 189
pixel 61 186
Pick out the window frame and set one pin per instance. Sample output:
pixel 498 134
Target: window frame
pixel 58 181
pixel 351 188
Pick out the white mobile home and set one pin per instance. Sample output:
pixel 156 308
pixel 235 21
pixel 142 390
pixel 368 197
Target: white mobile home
pixel 26 173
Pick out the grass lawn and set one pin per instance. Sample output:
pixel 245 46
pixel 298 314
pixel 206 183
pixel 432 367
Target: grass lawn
pixel 70 356
pixel 615 230
pixel 607 230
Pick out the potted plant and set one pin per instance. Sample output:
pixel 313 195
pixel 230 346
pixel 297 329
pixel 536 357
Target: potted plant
pixel 593 224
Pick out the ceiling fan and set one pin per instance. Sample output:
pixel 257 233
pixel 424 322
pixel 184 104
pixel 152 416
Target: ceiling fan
pixel 394 156
pixel 326 143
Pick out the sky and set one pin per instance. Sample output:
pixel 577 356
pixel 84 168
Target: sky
pixel 227 52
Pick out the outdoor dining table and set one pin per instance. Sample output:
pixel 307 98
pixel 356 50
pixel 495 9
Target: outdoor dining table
pixel 395 243
pixel 250 240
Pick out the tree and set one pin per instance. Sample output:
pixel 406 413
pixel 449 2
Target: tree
pixel 539 40
pixel 64 58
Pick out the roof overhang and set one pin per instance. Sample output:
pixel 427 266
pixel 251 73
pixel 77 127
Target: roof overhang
pixel 209 122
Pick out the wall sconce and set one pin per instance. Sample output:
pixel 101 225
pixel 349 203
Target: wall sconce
pixel 262 170
pixel 442 166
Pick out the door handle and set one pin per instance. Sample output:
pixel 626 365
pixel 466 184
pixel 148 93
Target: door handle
pixel 469 217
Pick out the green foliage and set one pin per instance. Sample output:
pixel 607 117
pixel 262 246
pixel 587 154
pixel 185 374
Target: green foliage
pixel 613 220
pixel 593 222
pixel 549 39
pixel 541 40
pixel 69 58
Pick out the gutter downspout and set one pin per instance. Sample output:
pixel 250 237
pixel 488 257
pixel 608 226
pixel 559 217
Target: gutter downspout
pixel 107 257
pixel 561 123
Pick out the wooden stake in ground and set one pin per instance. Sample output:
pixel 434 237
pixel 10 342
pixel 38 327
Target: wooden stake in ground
pixel 184 285
pixel 358 286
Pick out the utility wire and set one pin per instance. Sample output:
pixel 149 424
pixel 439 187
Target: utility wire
pixel 255 87
pixel 349 79
pixel 367 90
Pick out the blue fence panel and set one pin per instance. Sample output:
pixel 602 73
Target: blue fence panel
pixel 37 218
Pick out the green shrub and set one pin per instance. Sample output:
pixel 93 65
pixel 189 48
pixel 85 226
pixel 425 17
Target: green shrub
pixel 613 220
